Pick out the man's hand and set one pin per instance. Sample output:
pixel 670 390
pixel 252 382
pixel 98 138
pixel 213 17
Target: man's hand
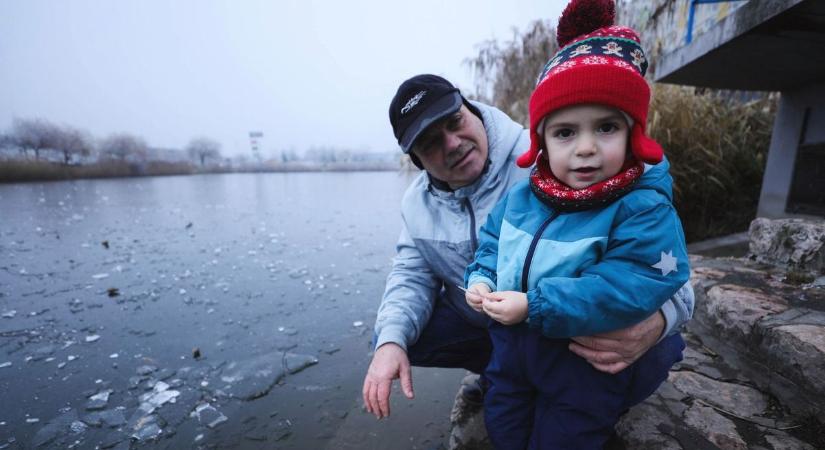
pixel 506 307
pixel 612 352
pixel 475 294
pixel 388 363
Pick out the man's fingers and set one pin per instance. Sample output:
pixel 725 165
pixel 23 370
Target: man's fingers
pixel 383 399
pixel 595 356
pixel 365 393
pixel 406 381
pixel 598 343
pixel 613 368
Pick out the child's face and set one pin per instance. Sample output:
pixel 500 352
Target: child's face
pixel 585 144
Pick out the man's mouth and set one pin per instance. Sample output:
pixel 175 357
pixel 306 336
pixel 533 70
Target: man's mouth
pixel 461 158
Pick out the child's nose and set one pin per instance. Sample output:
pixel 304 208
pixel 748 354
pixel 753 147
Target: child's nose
pixel 586 145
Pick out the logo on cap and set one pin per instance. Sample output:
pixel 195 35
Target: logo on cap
pixel 412 102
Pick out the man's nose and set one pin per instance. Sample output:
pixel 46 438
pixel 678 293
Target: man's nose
pixel 451 140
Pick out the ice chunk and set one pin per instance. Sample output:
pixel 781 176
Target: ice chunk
pixel 92 338
pixel 208 415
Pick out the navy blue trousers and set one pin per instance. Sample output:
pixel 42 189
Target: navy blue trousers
pixel 543 396
pixel 449 341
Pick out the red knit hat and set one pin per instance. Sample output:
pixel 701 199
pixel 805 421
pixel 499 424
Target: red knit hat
pixel 598 63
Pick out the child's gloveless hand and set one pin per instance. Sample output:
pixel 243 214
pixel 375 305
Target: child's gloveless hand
pixel 475 295
pixel 506 307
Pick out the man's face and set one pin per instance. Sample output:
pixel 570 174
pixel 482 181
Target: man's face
pixel 454 149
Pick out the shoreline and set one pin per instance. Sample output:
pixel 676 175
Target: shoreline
pixel 15 171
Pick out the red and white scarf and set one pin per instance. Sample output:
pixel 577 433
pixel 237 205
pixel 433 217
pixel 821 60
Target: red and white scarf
pixel 562 197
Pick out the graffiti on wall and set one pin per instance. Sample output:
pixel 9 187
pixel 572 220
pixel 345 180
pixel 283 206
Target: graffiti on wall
pixel 663 23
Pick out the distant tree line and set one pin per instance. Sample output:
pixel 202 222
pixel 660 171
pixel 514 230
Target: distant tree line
pixel 46 140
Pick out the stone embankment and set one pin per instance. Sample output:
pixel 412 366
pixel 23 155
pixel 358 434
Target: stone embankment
pixel 753 374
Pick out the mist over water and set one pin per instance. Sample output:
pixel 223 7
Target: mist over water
pixel 201 311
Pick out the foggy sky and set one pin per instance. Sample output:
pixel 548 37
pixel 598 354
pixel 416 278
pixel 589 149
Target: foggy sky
pixel 305 73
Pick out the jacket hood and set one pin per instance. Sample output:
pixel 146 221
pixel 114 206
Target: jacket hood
pixel 658 178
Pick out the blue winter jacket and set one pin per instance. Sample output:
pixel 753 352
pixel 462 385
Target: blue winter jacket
pixel 590 271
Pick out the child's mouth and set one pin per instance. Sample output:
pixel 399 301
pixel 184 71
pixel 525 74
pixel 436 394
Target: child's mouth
pixel 585 170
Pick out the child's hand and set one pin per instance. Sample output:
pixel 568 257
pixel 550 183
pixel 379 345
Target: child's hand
pixel 475 295
pixel 506 307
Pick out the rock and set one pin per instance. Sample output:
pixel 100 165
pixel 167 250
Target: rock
pixel 741 400
pixel 798 352
pixel 715 427
pixel 782 441
pixel 643 427
pixel 468 431
pixel 797 243
pixel 736 309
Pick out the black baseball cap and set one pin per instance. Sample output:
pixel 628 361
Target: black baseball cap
pixel 419 102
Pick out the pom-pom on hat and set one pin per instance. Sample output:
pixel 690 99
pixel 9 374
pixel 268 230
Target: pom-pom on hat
pixel 598 63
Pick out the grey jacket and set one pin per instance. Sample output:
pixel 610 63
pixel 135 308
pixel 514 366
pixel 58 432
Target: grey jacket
pixel 438 241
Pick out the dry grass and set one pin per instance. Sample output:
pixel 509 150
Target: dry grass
pixel 12 170
pixel 717 148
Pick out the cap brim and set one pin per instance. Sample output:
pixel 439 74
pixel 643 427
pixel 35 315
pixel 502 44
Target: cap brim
pixel 441 108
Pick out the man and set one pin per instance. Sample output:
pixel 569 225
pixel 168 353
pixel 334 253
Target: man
pixel 467 151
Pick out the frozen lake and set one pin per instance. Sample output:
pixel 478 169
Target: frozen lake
pixel 214 311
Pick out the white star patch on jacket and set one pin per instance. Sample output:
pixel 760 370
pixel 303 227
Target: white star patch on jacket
pixel 667 263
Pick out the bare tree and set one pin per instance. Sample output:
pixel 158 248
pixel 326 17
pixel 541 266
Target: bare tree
pixel 72 141
pixel 122 145
pixel 506 76
pixel 33 134
pixel 203 148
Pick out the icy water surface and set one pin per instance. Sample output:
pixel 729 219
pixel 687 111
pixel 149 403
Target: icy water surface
pixel 219 311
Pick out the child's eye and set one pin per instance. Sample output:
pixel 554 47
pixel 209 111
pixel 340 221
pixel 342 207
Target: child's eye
pixel 563 133
pixel 608 127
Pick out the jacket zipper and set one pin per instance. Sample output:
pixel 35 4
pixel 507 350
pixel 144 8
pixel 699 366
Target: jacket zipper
pixel 525 271
pixel 473 237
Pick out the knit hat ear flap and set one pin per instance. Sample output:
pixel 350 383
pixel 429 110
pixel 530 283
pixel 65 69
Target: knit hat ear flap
pixel 644 148
pixel 529 157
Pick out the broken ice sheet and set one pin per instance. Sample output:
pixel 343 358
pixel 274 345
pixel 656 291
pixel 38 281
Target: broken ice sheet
pixel 207 414
pixel 99 400
pixel 160 394
pixel 9 314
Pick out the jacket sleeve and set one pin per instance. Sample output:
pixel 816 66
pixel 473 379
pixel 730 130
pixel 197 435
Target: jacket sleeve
pixel 678 310
pixel 408 298
pixel 644 265
pixel 483 267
